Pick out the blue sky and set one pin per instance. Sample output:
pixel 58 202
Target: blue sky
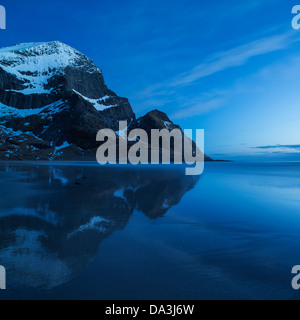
pixel 229 67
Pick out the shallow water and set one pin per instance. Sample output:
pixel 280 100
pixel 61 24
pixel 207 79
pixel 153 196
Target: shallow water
pixel 89 232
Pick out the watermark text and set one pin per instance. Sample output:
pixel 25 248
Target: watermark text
pixel 160 147
pixel 296 19
pixel 2 278
pixel 2 17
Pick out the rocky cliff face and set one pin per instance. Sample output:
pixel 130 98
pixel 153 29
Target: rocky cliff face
pixel 53 101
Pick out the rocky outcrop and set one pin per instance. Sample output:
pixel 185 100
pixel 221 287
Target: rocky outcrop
pixel 54 100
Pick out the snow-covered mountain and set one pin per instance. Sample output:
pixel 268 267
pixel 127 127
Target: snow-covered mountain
pixel 53 101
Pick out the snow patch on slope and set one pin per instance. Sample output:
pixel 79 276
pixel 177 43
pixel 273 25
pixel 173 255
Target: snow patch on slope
pixel 23 113
pixel 65 145
pixel 34 90
pixel 96 102
pixel 168 125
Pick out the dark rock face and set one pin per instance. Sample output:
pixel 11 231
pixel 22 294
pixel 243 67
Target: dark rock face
pixel 159 120
pixel 54 100
pixel 155 119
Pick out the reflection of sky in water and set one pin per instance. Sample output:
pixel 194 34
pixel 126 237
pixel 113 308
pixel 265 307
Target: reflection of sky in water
pixel 116 233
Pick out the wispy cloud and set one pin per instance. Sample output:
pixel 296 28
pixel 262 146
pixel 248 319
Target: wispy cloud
pixel 279 146
pixel 214 64
pixel 235 57
pixel 197 109
pixel 224 60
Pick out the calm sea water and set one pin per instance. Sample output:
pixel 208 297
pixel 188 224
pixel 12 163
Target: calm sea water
pixel 88 232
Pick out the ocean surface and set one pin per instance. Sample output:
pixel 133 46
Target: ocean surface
pixel 69 231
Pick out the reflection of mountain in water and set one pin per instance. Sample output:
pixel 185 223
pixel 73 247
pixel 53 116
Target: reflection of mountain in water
pixel 53 218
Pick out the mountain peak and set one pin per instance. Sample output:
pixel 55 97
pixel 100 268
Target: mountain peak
pixel 20 47
pixel 35 63
pixel 54 51
pixel 31 46
pixel 54 100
